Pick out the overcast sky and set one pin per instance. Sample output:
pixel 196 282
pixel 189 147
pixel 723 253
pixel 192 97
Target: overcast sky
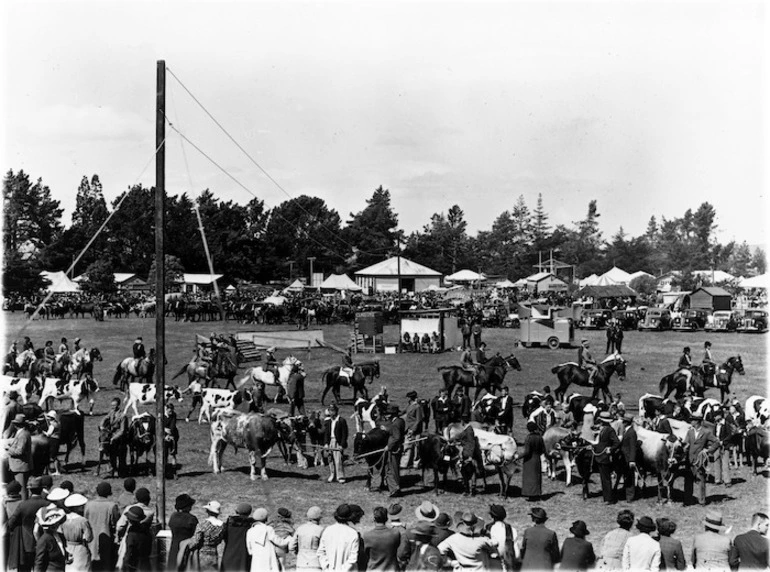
pixel 649 108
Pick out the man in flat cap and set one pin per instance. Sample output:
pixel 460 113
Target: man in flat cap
pixel 413 421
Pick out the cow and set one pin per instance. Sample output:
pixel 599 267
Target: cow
pixel 141 439
pixel 77 390
pixel 531 402
pixel 706 407
pixel 758 445
pixel 71 435
pixel 371 447
pixel 316 433
pixel 214 399
pixel 757 410
pixel 470 458
pixel 368 412
pixel 486 410
pixel 660 455
pixel 26 388
pixel 256 432
pixel 144 394
pixel 292 431
pixel 649 403
pixel 438 455
pixel 499 451
pixel 578 404
pixel 41 455
pixel 553 438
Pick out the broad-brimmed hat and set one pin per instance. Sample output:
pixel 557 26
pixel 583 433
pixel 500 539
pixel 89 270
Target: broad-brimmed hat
pixel 53 517
pixel 497 512
pixel 135 514
pixel 394 509
pixel 713 521
pixel 605 417
pixel 75 500
pixel 469 523
pixel 243 509
pixel 443 520
pixel 314 513
pixel 422 529
pixel 696 417
pixel 579 529
pixel 342 512
pixel 13 488
pixel 260 515
pixel 538 513
pixel 645 524
pixel 213 507
pixel 627 418
pixel 57 494
pixel 427 511
pixel 184 501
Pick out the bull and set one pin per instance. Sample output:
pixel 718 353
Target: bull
pixel 256 432
pixel 500 451
pixel 660 455
pixel 438 455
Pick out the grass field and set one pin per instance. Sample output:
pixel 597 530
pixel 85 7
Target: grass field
pixel 649 355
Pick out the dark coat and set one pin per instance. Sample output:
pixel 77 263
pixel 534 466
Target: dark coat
pixel 441 410
pixel 138 546
pixel 139 351
pixel 750 551
pixel 340 432
pixel 21 524
pixel 381 546
pixel 629 444
pixel 234 554
pixel 439 535
pixel 532 472
pixel 506 412
pixel 539 548
pixel 48 555
pixel 577 554
pixel 705 441
pixel 671 554
pixel 182 526
pixel 607 443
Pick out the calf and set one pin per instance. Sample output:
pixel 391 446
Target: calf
pixel 77 390
pixel 26 388
pixel 292 431
pixel 649 403
pixel 438 455
pixel 758 445
pixel 141 438
pixel 144 394
pixel 214 399
pixel 553 438
pixel 254 431
pixel 370 447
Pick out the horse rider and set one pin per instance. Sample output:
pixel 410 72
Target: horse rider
pixel 28 345
pixel 709 365
pixel 467 364
pixel 76 343
pixel 587 361
pixel 685 360
pixel 49 354
pixel 64 349
pixel 139 351
pixel 347 366
pixel 413 421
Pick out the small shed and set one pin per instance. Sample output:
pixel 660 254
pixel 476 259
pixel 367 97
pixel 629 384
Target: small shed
pixel 443 321
pixel 544 282
pixel 711 298
pixel 397 273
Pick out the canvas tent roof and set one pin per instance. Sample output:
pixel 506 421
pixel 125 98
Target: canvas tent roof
pixel 557 264
pixel 340 282
pixel 761 281
pixel 505 284
pixel 640 273
pixel 617 275
pixel 465 276
pixel 200 278
pixel 716 275
pixel 520 282
pixel 589 280
pixel 607 291
pixel 389 267
pixel 59 282
pixel 296 286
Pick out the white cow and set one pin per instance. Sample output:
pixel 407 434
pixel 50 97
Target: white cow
pixel 144 394
pixel 220 399
pixel 78 390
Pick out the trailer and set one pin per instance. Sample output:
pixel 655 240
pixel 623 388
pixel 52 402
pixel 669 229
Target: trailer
pixel 546 326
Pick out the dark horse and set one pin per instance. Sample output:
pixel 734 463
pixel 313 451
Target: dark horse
pixel 724 375
pixel 333 380
pixel 490 376
pixel 701 380
pixel 584 454
pixel 569 373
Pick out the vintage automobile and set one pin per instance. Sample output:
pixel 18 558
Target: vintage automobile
pixel 628 318
pixel 753 321
pixel 656 319
pixel 691 320
pixel 723 321
pixel 594 319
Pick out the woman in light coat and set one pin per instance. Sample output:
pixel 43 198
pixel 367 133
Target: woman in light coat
pixel 261 542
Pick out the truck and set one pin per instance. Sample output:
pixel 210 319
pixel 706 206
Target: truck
pixel 549 329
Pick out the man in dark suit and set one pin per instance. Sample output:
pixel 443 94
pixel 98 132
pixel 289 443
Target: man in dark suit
pixel 139 351
pixel 381 543
pixel 505 417
pixel 462 406
pixel 607 443
pixel 413 421
pixel 336 436
pixel 660 422
pixel 724 432
pixel 751 550
pixel 396 429
pixel 700 443
pixel 539 545
pixel 20 453
pixel 442 410
pixel 24 517
pixel 628 449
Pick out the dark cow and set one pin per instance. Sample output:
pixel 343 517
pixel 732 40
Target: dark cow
pixel 576 405
pixel 470 459
pixel 141 439
pixel 531 402
pixel 41 455
pixel 757 445
pixel 256 432
pixel 292 431
pixel 72 435
pixel 438 455
pixel 371 447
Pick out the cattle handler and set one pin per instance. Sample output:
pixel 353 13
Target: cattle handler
pixel 413 420
pixel 395 427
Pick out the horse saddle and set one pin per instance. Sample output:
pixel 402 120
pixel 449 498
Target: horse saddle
pixel 346 371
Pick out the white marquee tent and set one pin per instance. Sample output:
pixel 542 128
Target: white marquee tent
pixel 340 282
pixel 59 282
pixel 465 276
pixel 617 275
pixel 761 281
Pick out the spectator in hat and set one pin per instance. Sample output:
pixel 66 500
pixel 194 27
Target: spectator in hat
pixel 711 548
pixel 20 452
pixel 381 543
pixel 208 536
pixel 283 525
pixel 671 551
pixel 607 443
pixel 261 544
pixel 55 497
pixel 182 524
pixel 9 502
pixel 576 552
pixel 441 528
pixel 504 537
pixel 611 554
pixel 77 531
pixel 642 552
pixel 539 545
pixel 142 501
pixel 50 552
pixel 702 444
pixel 469 548
pixel 395 427
pixel 138 541
pixel 413 422
pixel 336 437
pixel 11 409
pixel 751 550
pixel 394 512
pixel 628 450
pixel 532 474
pixel 338 546
pixel 102 514
pixel 76 345
pixel 21 526
pixel 127 498
pixel 424 555
pixel 306 540
pixel 234 554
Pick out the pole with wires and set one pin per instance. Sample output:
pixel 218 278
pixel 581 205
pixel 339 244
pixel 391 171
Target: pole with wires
pixel 160 295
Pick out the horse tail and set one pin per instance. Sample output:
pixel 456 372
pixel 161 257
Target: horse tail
pixel 555 369
pixel 181 371
pixel 325 380
pixel 118 374
pixel 664 382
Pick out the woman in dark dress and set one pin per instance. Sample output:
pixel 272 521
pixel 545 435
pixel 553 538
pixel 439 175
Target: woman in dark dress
pixel 576 552
pixel 235 556
pixel 532 473
pixel 50 551
pixel 138 542
pixel 182 525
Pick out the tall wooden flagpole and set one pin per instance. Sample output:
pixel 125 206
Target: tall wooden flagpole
pixel 160 294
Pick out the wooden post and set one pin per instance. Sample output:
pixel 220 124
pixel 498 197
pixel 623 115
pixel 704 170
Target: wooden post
pixel 160 294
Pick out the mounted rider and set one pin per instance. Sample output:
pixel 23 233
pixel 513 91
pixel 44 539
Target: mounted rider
pixel 686 366
pixel 347 366
pixel 467 363
pixel 587 361
pixel 139 352
pixel 709 366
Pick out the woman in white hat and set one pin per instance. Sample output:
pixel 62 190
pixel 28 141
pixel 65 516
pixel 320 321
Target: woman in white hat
pixel 262 543
pixel 711 548
pixel 50 549
pixel 77 532
pixel 209 534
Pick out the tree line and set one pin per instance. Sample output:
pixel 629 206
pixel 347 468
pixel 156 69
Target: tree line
pixel 253 243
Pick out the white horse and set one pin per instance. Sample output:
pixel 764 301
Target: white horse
pixel 267 376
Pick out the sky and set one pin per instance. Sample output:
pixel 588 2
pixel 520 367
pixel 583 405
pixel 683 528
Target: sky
pixel 648 108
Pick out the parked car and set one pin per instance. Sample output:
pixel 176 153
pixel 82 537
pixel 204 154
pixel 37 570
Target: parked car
pixel 512 320
pixel 656 319
pixel 594 319
pixel 691 320
pixel 628 318
pixel 753 321
pixel 724 321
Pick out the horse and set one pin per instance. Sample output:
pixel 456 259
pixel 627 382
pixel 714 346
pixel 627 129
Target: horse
pixel 724 375
pixel 273 375
pixel 332 379
pixel 59 368
pixel 490 376
pixel 136 370
pixel 679 382
pixel 569 373
pixel 225 368
pixel 21 364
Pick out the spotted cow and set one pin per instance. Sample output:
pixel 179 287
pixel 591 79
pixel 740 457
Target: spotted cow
pixel 757 410
pixel 144 394
pixel 78 390
pixel 214 399
pixel 26 388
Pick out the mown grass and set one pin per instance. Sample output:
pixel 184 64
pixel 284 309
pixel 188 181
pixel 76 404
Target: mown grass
pixel 649 355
